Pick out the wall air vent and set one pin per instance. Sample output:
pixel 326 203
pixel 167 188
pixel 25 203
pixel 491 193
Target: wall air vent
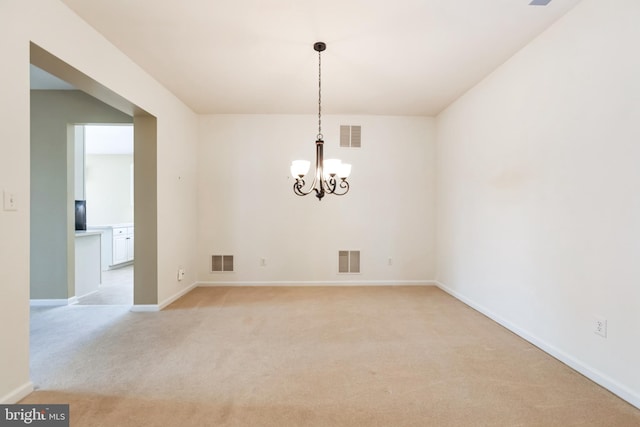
pixel 350 136
pixel 348 261
pixel 221 263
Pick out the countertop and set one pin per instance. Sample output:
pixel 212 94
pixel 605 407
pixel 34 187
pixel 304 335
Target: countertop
pixel 80 233
pixel 90 227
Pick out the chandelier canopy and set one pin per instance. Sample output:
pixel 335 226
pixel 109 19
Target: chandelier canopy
pixel 325 179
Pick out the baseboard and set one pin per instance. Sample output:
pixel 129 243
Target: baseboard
pixel 177 296
pixel 146 308
pixel 322 283
pixel 53 302
pixel 117 266
pixel 18 394
pixel 594 375
pixel 86 295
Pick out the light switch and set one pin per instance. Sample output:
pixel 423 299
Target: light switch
pixel 10 201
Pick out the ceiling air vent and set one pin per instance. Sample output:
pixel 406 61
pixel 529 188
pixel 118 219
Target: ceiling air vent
pixel 348 261
pixel 221 263
pixel 350 136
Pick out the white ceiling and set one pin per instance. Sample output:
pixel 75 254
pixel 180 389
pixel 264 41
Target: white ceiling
pixel 401 57
pixel 108 139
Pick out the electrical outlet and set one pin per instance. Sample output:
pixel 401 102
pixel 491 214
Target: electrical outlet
pixel 390 261
pixel 600 326
pixel 263 262
pixel 180 274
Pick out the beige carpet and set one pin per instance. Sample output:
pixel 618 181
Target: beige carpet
pixel 322 356
pixel 116 288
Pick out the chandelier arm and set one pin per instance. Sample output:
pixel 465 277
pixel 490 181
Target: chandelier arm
pixel 345 186
pixel 331 185
pixel 298 187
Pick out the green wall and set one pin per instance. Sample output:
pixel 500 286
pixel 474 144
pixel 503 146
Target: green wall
pixel 53 113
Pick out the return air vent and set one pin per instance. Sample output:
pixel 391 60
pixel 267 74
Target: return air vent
pixel 220 263
pixel 350 136
pixel 348 261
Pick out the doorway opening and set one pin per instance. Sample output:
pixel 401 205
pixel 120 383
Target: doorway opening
pixel 53 262
pixel 118 110
pixel 104 161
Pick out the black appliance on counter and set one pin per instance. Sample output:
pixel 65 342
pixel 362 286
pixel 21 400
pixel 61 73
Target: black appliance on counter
pixel 81 215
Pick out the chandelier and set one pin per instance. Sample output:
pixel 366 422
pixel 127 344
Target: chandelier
pixel 325 179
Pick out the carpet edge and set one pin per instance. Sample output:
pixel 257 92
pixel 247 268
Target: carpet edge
pixel 620 390
pixel 18 394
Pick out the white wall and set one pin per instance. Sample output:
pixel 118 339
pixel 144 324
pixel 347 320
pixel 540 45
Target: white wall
pixel 14 226
pixel 538 192
pixel 55 28
pixel 108 180
pixel 248 208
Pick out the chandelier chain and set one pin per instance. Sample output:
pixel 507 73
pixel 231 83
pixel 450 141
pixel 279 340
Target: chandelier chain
pixel 319 95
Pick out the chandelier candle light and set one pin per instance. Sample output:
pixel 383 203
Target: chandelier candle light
pixel 324 180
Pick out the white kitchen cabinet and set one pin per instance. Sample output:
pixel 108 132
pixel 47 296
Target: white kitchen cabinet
pixel 117 244
pixel 122 245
